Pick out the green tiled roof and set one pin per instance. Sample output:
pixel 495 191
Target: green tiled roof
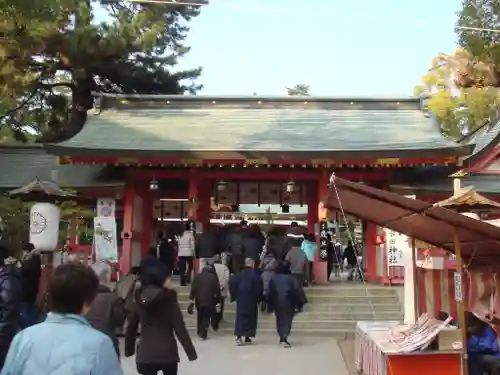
pixel 20 165
pixel 159 124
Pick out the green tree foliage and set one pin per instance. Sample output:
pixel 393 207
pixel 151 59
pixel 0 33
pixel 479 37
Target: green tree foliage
pixel 55 53
pixel 15 220
pixel 460 110
pixel 298 90
pixel 483 67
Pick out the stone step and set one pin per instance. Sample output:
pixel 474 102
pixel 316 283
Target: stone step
pixel 296 332
pixel 330 307
pixel 336 325
pixel 332 299
pixel 312 316
pixel 370 291
pixel 336 300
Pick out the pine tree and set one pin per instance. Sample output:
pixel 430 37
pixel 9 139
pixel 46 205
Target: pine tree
pixel 55 53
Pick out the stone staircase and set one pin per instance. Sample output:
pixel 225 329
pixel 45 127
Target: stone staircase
pixel 332 311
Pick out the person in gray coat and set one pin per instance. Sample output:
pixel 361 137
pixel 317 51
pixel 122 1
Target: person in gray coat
pixel 268 267
pixel 297 259
pixel 107 311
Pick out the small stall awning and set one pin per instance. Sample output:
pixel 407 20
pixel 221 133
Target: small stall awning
pixel 41 189
pixel 468 198
pixel 438 226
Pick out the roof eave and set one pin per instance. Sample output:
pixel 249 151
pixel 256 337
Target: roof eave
pixel 459 150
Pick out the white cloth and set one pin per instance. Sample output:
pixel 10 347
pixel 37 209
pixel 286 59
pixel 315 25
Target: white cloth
pixel 186 244
pixel 105 241
pixel 223 274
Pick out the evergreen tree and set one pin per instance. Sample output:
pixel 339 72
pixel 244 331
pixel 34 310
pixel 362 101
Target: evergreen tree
pixel 55 53
pixel 298 90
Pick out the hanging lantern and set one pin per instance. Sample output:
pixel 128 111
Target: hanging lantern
pixel 44 226
pixel 221 186
pixel 291 187
pixel 153 185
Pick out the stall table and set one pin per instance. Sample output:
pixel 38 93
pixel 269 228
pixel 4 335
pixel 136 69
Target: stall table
pixel 374 356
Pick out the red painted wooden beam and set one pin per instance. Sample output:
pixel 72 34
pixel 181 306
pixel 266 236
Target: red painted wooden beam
pixel 258 162
pixel 260 174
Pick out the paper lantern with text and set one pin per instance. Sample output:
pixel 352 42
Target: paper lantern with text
pixel 44 226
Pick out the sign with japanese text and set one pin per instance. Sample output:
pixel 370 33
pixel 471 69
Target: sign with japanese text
pixel 458 286
pixel 396 245
pixel 323 240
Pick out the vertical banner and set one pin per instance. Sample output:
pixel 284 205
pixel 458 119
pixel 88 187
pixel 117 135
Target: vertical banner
pixel 323 240
pixel 396 246
pixel 105 237
pixel 105 241
pixel 106 207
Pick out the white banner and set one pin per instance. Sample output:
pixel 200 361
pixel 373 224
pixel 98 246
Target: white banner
pixel 106 207
pixel 396 246
pixel 105 241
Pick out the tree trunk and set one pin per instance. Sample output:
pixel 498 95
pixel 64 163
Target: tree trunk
pixel 82 101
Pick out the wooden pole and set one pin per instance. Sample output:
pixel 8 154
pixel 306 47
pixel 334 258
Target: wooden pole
pixel 460 302
pixel 415 277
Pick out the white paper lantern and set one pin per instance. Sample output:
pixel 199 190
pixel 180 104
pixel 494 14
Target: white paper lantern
pixel 44 226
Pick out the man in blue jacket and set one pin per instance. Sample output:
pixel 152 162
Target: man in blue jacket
pixel 482 346
pixel 65 343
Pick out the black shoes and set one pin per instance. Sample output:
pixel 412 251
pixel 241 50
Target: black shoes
pixel 240 342
pixel 285 343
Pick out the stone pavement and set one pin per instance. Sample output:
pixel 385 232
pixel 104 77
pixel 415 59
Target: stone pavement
pixel 220 356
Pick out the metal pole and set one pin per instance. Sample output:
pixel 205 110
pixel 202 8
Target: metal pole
pixel 460 302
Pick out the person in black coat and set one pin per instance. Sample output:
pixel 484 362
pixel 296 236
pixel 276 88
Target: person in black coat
pixel 278 243
pixel 206 295
pixel 236 246
pixel 246 289
pixel 286 298
pixel 157 310
pixel 253 243
pixel 206 246
pixel 351 256
pixel 10 303
pixel 31 272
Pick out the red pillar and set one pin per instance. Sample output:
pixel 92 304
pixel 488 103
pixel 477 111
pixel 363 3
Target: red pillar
pixel 147 222
pixel 371 251
pixel 312 206
pixel 320 267
pixel 128 208
pixel 200 189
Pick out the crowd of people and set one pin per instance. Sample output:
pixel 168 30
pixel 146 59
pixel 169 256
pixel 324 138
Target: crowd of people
pixel 71 327
pixel 254 271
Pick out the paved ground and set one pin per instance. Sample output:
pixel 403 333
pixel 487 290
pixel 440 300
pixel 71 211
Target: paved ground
pixel 220 355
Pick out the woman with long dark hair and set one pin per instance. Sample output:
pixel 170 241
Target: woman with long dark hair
pixel 159 313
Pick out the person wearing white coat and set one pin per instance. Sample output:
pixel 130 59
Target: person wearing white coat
pixel 223 274
pixel 186 245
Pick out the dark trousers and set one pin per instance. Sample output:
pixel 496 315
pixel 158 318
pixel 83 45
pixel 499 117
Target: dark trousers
pixel 148 369
pixel 309 271
pixel 329 267
pixel 237 263
pixel 203 318
pixel 218 316
pixel 186 266
pixel 300 278
pixel 284 319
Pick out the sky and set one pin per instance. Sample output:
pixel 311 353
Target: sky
pixel 338 47
pixel 344 48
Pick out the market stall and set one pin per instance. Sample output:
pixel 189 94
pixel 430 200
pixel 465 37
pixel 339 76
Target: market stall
pixel 476 245
pixel 388 348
